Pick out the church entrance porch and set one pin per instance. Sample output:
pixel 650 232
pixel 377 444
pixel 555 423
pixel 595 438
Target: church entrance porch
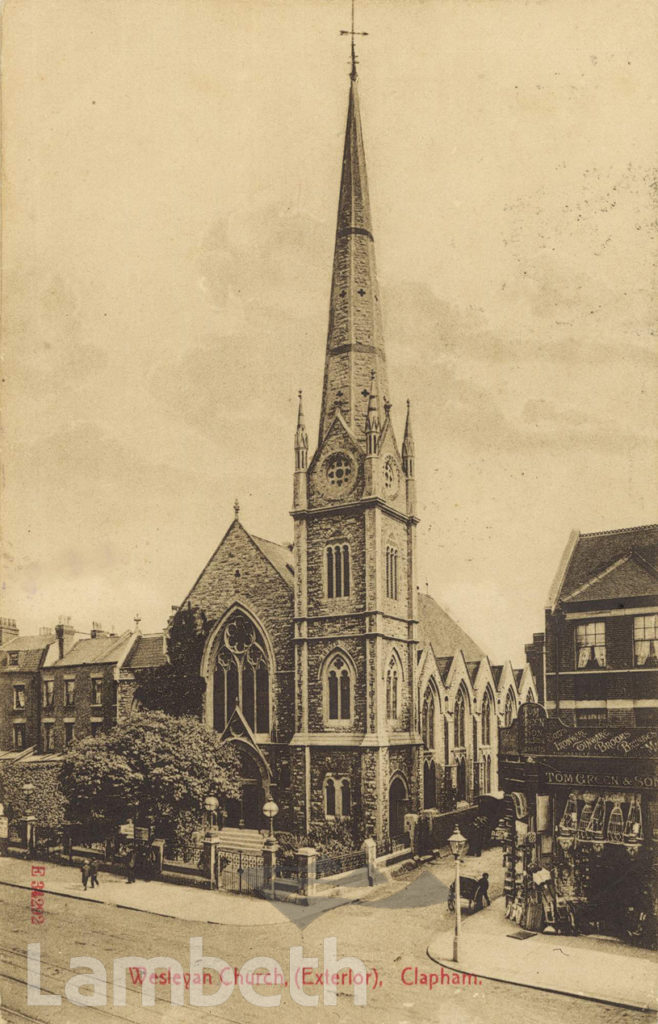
pixel 398 804
pixel 247 810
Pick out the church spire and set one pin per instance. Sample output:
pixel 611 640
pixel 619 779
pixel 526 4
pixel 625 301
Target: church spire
pixel 355 344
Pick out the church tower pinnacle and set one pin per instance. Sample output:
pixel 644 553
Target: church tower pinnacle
pixel 355 343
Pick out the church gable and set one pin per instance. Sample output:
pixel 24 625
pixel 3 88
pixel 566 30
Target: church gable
pixel 239 571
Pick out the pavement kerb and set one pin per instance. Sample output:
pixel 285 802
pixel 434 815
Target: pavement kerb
pixel 156 913
pixel 460 969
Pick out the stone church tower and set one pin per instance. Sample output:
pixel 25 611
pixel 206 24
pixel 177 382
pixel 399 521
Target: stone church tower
pixel 352 699
pixel 355 614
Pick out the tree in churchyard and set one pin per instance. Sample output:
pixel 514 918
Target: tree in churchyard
pixel 156 768
pixel 177 687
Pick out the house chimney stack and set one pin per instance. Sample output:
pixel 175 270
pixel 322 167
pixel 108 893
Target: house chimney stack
pixel 64 632
pixel 8 629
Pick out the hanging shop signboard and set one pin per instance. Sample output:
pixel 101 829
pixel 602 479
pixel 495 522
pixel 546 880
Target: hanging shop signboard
pixel 607 742
pixel 533 733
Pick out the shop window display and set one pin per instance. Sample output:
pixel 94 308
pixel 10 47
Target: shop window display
pixel 586 814
pixel 594 830
pixel 615 830
pixel 633 832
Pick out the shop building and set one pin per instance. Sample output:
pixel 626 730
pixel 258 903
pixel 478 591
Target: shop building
pixel 600 648
pixel 581 826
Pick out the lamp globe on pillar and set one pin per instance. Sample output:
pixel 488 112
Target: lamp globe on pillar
pixel 28 790
pixel 457 844
pixel 270 810
pixel 211 803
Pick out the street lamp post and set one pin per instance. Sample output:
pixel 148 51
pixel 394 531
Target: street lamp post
pixel 270 846
pixel 28 790
pixel 270 810
pixel 211 804
pixel 457 844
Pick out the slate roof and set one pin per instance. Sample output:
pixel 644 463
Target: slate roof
pixel 147 652
pixel 29 756
pixel 435 627
pixel 31 651
pixel 102 650
pixel 28 643
pixel 280 555
pixel 594 553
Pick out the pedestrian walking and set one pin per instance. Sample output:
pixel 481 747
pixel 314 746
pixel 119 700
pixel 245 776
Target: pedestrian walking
pixel 482 892
pixel 93 873
pixel 132 861
pixel 85 869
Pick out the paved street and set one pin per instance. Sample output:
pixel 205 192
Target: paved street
pixel 387 935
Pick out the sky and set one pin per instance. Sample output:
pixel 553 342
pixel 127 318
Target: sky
pixel 171 172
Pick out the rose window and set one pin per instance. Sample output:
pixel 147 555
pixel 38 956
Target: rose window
pixel 339 471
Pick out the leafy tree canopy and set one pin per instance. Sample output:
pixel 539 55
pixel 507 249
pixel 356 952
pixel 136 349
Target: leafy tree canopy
pixel 177 687
pixel 155 766
pixel 46 802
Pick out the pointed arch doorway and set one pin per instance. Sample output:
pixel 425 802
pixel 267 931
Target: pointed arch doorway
pixel 246 810
pixel 397 807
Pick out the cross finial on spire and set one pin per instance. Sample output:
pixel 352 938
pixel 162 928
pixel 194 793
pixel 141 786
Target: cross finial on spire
pixel 351 32
pixel 236 508
pixel 137 621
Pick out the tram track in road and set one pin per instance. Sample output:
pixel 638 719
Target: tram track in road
pixel 11 957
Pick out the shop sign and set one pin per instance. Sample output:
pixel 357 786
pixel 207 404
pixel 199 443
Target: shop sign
pixel 615 780
pixel 142 834
pixel 603 742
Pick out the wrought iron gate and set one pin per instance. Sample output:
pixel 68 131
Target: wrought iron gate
pixel 238 871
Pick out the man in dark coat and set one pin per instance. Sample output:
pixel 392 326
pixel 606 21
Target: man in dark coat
pixel 132 861
pixel 482 892
pixel 93 873
pixel 85 869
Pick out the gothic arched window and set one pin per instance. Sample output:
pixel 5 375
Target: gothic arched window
pixel 487 774
pixel 242 675
pixel 486 720
pixel 392 572
pixel 338 570
pixel 339 689
pixel 510 708
pixel 329 798
pixel 460 720
pixel 429 720
pixel 345 799
pixel 393 678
